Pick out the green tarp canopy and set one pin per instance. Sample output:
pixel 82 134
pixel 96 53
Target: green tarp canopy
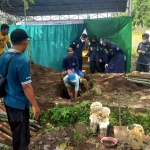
pixel 49 43
pixel 117 30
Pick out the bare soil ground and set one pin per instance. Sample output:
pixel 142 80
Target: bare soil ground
pixel 49 89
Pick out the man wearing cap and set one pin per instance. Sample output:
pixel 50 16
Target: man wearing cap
pixel 19 91
pixel 70 80
pixel 70 62
pixel 143 50
pixel 4 39
pixel 78 46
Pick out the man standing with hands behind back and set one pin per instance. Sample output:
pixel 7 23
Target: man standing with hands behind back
pixel 143 50
pixel 19 91
pixel 4 39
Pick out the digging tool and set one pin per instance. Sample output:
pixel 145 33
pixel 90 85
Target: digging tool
pixel 120 132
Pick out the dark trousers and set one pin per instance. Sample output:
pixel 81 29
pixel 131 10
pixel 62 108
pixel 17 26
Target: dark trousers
pixel 80 63
pixel 142 68
pixel 19 124
pixel 95 66
pixel 102 67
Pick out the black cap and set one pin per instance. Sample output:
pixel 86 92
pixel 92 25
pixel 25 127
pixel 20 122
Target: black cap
pixel 84 35
pixel 18 35
pixel 145 35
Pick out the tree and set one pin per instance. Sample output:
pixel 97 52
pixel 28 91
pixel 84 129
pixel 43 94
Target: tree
pixel 141 13
pixel 27 3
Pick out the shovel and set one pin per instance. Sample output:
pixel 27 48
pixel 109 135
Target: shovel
pixel 120 132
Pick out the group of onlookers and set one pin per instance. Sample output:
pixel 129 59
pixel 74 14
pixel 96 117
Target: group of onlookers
pixel 102 55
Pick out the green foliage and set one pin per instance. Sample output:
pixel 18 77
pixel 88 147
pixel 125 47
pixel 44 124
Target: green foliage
pixel 92 81
pixel 31 113
pixel 49 128
pixel 134 52
pixel 119 14
pixel 114 117
pixel 27 3
pixel 93 91
pixel 67 115
pixel 141 13
pixel 78 136
pixel 129 118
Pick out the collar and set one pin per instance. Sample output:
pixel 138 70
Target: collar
pixel 13 50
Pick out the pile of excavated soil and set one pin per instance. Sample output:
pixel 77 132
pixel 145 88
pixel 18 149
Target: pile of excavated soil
pixel 117 83
pixel 48 87
pixel 47 84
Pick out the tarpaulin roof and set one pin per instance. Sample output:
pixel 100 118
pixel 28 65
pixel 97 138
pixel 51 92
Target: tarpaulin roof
pixel 62 7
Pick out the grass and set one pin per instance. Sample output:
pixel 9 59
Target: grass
pixel 137 34
pixel 134 52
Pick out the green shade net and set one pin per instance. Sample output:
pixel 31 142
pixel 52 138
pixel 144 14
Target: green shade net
pixel 49 43
pixel 117 30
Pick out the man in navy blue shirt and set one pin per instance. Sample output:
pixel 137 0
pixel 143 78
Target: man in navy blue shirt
pixel 78 46
pixel 70 62
pixel 143 50
pixel 19 91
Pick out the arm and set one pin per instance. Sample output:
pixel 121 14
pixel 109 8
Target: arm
pixel 105 56
pixel 73 45
pixel 25 80
pixel 89 54
pixel 76 86
pixel 28 90
pixel 65 79
pixel 100 54
pixel 118 49
pixel 8 42
pixel 139 49
pixel 8 45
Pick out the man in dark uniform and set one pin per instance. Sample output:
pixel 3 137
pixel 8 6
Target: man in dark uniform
pixel 78 46
pixel 143 50
pixel 114 58
pixel 94 55
pixel 70 62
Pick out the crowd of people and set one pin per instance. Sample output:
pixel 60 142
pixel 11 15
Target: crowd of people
pixel 103 56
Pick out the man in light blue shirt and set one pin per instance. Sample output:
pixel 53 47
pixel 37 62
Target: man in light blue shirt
pixel 70 80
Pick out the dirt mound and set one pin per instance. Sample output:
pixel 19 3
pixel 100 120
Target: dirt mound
pixel 114 82
pixel 118 83
pixel 48 86
pixel 46 83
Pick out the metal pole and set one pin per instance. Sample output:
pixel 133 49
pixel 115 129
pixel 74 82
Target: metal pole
pixel 130 7
pixel 25 13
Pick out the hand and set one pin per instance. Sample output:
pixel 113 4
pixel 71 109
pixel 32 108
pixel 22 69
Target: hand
pixel 36 111
pixel 3 38
pixel 106 65
pixel 88 59
pixel 100 60
pixel 64 72
pixel 143 52
pixel 71 95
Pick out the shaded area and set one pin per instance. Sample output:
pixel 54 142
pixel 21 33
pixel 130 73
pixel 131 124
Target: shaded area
pixel 63 7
